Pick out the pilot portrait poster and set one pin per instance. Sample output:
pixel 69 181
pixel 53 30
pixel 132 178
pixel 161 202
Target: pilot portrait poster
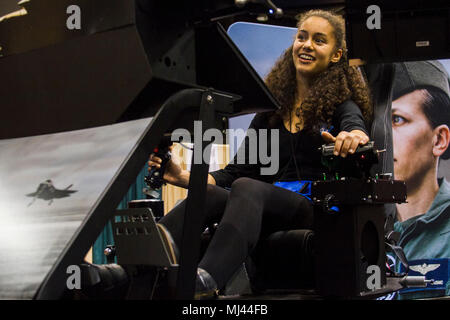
pixel 420 131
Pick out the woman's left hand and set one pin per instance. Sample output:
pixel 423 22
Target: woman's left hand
pixel 346 142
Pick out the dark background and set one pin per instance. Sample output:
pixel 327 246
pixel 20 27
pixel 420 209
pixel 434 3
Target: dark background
pixel 7 6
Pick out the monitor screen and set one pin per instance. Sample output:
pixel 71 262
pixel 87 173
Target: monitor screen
pixel 49 185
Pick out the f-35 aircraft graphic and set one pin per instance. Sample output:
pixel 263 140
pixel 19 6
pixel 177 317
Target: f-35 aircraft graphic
pixel 47 191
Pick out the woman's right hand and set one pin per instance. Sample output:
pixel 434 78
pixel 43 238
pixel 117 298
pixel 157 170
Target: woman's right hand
pixel 173 171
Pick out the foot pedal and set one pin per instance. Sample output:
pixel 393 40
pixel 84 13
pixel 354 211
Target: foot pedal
pixel 140 240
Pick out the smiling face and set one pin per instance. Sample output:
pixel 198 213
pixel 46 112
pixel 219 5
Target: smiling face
pixel 314 47
pixel 413 139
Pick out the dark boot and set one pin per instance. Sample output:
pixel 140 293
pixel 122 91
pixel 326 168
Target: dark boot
pixel 205 286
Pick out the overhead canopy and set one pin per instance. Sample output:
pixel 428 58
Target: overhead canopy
pixel 124 62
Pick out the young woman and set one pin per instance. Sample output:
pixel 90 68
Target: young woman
pixel 322 100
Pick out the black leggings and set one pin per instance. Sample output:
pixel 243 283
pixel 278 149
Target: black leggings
pixel 251 211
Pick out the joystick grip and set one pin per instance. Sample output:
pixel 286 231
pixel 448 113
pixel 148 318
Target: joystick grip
pixel 155 180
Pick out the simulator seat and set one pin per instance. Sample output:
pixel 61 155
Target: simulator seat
pixel 286 259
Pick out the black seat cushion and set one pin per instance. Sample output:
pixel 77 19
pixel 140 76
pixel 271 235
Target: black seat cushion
pixel 284 260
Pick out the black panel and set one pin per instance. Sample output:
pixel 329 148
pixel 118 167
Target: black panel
pixel 45 22
pixel 410 30
pixel 85 82
pixel 346 244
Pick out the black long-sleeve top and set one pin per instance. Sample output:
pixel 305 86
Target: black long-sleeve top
pixel 303 145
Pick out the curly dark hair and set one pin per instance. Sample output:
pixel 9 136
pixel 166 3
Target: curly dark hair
pixel 338 83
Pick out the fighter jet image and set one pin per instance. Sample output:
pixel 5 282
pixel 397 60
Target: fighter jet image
pixel 47 191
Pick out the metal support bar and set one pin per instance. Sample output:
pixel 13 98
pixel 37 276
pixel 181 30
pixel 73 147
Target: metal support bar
pixel 182 102
pixel 195 203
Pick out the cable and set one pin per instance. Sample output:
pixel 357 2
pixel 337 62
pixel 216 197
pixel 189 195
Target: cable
pixel 155 283
pixel 185 146
pixel 297 171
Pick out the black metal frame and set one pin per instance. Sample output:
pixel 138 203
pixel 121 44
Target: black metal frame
pixel 211 104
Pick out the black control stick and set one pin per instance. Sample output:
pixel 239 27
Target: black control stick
pixel 155 180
